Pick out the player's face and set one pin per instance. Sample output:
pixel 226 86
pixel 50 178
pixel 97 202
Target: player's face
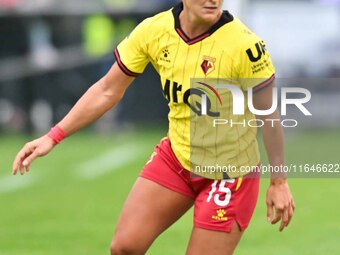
pixel 204 10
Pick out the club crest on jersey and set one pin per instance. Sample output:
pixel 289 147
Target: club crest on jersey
pixel 208 65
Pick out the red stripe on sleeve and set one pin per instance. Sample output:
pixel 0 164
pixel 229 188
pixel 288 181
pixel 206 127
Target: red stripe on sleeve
pixel 123 67
pixel 264 84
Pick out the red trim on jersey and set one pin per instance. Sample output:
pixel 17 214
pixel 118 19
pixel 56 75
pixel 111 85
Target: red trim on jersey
pixel 188 40
pixel 123 67
pixel 264 84
pixel 182 35
pixel 200 38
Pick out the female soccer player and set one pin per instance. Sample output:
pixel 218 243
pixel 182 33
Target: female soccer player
pixel 195 39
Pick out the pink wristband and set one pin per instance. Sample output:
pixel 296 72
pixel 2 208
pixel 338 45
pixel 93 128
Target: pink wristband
pixel 56 134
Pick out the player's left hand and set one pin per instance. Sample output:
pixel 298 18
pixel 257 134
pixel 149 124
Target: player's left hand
pixel 280 200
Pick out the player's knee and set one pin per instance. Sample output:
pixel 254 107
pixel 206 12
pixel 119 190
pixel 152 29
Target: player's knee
pixel 123 248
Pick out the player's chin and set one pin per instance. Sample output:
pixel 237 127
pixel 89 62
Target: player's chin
pixel 210 16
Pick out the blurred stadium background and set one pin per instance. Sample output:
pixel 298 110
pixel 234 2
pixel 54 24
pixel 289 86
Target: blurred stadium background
pixel 52 51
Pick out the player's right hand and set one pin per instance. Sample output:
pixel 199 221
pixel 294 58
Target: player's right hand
pixel 31 151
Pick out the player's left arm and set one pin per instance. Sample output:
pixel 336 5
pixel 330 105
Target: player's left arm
pixel 279 198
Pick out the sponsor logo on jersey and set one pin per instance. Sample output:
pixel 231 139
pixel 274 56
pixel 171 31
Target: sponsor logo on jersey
pixel 260 51
pixel 172 91
pixel 220 215
pixel 208 65
pixel 165 56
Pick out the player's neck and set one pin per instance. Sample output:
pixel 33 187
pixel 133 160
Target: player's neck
pixel 193 26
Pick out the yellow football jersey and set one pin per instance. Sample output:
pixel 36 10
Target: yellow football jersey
pixel 228 50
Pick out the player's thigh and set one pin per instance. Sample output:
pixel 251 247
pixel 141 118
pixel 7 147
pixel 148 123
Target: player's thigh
pixel 204 241
pixel 149 209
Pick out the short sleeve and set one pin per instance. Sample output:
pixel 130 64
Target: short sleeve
pixel 131 54
pixel 256 67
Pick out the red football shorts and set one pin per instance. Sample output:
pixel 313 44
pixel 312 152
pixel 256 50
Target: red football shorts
pixel 217 203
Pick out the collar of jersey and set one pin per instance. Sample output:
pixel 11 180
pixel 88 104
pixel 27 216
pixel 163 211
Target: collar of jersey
pixel 225 18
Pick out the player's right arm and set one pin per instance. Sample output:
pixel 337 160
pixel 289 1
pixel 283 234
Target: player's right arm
pixel 98 99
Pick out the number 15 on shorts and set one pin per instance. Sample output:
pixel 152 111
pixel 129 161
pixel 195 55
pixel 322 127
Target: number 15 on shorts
pixel 220 193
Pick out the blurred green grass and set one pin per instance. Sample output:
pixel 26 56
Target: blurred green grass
pixel 61 213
